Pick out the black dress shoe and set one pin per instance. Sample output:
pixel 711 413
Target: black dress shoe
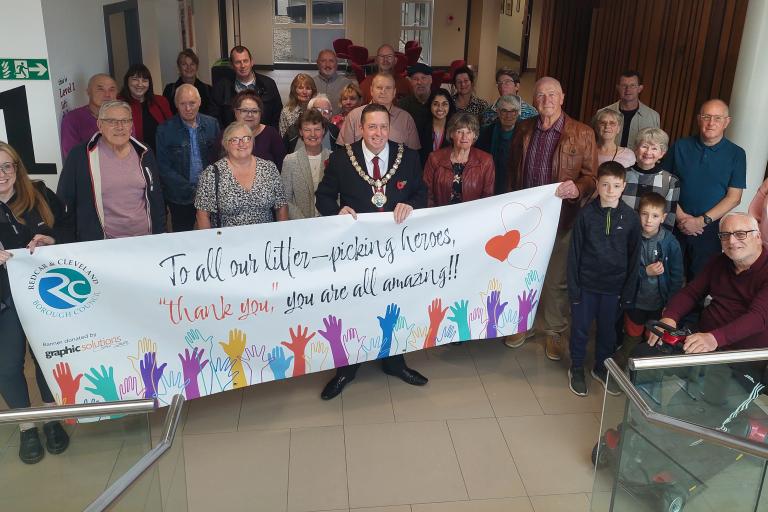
pixel 408 375
pixel 30 447
pixel 334 387
pixel 56 438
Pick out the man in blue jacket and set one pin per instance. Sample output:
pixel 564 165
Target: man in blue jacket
pixel 186 144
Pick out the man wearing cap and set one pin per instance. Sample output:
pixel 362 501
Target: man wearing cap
pixel 416 103
pixel 508 83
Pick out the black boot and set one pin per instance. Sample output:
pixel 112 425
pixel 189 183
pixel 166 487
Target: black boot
pixel 622 355
pixel 56 438
pixel 30 447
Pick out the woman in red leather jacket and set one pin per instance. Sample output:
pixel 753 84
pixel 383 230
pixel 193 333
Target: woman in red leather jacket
pixel 459 173
pixel 147 108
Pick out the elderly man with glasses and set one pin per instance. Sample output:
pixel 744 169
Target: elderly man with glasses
pixel 386 60
pixel 713 174
pixel 508 84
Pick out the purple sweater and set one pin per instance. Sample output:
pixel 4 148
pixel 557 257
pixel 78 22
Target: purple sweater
pixel 269 146
pixel 77 127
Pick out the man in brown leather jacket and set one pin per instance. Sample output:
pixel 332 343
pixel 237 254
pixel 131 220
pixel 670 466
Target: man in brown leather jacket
pixel 554 148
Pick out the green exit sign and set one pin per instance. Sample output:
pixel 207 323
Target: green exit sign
pixel 24 69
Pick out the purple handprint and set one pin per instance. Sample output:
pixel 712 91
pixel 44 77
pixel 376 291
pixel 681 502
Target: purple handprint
pixel 494 310
pixel 191 366
pixel 150 374
pixel 526 304
pixel 332 333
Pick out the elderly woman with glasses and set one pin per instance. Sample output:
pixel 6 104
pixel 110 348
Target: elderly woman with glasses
pixel 30 216
pixel 240 188
pixel 497 138
pixel 607 124
pixel 461 172
pixel 267 143
pixel 303 89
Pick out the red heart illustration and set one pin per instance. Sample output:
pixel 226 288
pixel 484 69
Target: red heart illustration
pixel 500 246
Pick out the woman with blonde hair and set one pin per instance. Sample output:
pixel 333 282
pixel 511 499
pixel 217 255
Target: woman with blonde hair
pixel 303 89
pixel 350 98
pixel 31 216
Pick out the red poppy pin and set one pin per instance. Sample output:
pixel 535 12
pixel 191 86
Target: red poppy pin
pixel 401 184
pixel 325 163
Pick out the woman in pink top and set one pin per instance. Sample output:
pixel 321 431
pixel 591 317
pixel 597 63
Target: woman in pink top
pixel 607 123
pixel 758 208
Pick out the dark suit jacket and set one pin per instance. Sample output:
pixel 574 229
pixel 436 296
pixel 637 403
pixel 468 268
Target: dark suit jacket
pixel 342 183
pixel 266 88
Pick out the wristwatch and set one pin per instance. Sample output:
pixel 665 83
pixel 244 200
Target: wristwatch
pixel 707 220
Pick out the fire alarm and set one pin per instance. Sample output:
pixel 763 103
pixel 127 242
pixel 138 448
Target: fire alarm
pixel 450 18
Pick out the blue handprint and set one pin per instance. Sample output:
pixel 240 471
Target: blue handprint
pixel 494 310
pixel 278 363
pixel 387 329
pixel 460 311
pixel 103 384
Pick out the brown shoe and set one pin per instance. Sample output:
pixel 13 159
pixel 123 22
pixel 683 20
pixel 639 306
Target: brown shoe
pixel 517 340
pixel 552 349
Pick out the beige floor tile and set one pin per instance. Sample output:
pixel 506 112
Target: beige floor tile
pixel 505 384
pixel 234 470
pixel 454 390
pixel 214 413
pixel 560 503
pixel 397 508
pixel 367 399
pixel 552 451
pixel 401 463
pixel 549 381
pixel 486 464
pixel 292 403
pixel 317 474
pixel 504 505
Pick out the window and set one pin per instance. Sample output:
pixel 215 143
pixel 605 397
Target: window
pixel 304 27
pixel 416 25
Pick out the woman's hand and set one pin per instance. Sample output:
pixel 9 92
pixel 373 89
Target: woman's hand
pixel 39 241
pixel 4 256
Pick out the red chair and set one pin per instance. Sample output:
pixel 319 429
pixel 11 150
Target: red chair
pixel 401 66
pixel 341 47
pixel 409 44
pixel 412 54
pixel 456 64
pixel 358 55
pixel 358 70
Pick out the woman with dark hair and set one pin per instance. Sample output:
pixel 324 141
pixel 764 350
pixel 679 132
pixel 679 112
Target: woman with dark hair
pixel 303 89
pixel 187 62
pixel 147 108
pixel 267 143
pixel 465 99
pixel 31 216
pixel 433 135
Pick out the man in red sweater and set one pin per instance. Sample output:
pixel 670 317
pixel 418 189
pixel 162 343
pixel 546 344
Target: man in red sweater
pixel 737 281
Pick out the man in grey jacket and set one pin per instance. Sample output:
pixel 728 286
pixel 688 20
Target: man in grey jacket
pixel 637 115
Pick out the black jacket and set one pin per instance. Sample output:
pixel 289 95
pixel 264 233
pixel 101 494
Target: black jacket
pixel 342 185
pixel 79 191
pixel 266 88
pixel 206 102
pixel 16 233
pixel 604 252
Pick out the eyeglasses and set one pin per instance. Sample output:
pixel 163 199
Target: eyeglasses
pixel 724 236
pixel 248 111
pixel 324 111
pixel 245 139
pixel 114 123
pixel 508 111
pixel 718 119
pixel 506 82
pixel 629 86
pixel 388 56
pixel 8 169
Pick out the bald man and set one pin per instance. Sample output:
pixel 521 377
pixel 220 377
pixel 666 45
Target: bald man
pixel 386 61
pixel 553 148
pixel 713 174
pixel 79 125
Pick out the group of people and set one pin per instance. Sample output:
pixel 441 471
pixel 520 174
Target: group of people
pixel 638 220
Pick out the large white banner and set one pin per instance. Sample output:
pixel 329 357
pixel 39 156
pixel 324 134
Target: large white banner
pixel 207 311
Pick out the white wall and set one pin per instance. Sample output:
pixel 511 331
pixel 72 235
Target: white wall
pixel 448 35
pixel 533 44
pixel 206 21
pixel 511 29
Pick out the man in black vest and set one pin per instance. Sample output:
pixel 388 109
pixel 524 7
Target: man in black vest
pixel 364 178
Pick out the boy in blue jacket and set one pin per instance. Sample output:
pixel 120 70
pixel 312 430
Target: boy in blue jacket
pixel 659 273
pixel 602 275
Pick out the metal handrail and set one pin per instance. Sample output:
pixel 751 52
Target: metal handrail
pixel 147 461
pixel 61 412
pixel 662 420
pixel 677 361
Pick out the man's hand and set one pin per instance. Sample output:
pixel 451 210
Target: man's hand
pixel 691 226
pixel 402 211
pixel 655 269
pixel 567 190
pixel 700 342
pixel 653 339
pixel 348 211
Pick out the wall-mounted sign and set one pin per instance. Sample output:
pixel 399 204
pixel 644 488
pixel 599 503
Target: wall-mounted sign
pixel 24 69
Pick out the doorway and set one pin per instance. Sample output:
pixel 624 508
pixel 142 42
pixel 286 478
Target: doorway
pixel 121 24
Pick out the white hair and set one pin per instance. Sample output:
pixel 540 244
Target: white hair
pixel 752 220
pixel 112 104
pixel 321 96
pixel 186 87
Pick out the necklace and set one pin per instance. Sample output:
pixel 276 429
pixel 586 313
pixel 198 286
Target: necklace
pixel 379 199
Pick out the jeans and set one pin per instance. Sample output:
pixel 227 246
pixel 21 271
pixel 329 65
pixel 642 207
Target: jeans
pixel 602 307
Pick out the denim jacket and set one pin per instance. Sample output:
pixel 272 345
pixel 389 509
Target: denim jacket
pixel 173 155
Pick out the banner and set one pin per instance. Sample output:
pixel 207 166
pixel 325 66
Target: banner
pixel 207 311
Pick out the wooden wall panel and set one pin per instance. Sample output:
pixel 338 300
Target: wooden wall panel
pixel 685 49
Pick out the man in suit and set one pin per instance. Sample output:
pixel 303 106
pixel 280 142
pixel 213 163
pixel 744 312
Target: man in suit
pixel 349 183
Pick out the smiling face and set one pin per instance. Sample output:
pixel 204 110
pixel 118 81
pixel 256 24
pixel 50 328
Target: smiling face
pixel 241 61
pixel 629 89
pixel 648 154
pixel 7 175
pixel 508 114
pixel 327 64
pixel 375 128
pixel 463 84
pixel 115 125
pixel 607 127
pixel 312 135
pixel 383 90
pixel 102 88
pixel 249 113
pixel 138 86
pixel 440 107
pixel 610 188
pixel 385 58
pixel 239 143
pixel 187 69
pixel 303 92
pixel 741 250
pixel 422 85
pixel 323 106
pixel 651 218
pixel 463 138
pixel 188 104
pixel 349 101
pixel 507 86
pixel 713 119
pixel 548 97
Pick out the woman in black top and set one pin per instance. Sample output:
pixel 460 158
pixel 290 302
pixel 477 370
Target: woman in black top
pixel 30 216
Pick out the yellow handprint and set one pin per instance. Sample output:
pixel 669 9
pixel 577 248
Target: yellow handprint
pixel 318 353
pixel 234 349
pixel 144 346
